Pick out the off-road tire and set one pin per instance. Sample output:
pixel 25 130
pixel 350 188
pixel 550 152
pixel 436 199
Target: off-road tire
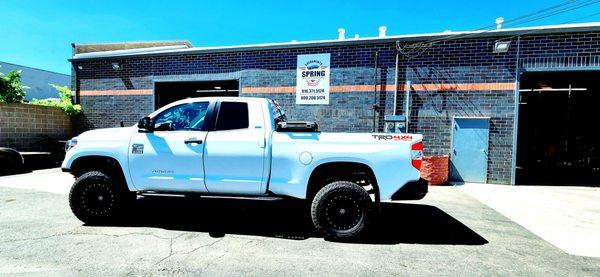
pixel 95 199
pixel 341 210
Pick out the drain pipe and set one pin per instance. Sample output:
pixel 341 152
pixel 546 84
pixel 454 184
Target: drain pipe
pixel 375 106
pixel 396 84
pixel 407 102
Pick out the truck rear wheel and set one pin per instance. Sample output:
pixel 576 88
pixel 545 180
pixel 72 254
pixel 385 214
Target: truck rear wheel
pixel 340 210
pixel 94 198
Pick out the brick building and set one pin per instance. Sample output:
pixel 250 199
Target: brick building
pixel 490 75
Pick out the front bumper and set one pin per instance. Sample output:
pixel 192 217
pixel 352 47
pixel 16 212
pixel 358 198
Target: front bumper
pixel 415 190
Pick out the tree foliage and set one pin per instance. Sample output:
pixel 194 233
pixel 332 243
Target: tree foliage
pixel 11 89
pixel 64 101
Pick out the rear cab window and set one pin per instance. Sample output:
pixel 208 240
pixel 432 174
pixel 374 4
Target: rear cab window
pixel 232 116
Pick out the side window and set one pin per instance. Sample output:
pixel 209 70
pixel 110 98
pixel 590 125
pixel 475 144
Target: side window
pixel 189 116
pixel 232 115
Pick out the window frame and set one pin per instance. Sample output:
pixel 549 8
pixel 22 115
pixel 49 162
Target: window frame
pixel 208 118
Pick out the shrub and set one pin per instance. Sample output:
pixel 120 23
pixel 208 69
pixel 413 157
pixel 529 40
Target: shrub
pixel 64 101
pixel 11 89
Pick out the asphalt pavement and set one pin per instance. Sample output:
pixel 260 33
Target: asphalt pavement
pixel 447 233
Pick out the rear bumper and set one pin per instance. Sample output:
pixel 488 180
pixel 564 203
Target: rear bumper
pixel 415 190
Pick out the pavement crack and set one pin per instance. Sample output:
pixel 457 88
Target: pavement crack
pixel 171 253
pixel 85 234
pixel 211 262
pixel 201 246
pixel 36 238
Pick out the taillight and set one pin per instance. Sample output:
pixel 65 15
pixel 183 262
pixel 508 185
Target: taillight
pixel 416 154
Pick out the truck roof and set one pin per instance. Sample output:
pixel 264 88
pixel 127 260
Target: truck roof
pixel 220 98
pixel 213 98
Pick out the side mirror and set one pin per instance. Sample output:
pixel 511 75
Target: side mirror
pixel 145 124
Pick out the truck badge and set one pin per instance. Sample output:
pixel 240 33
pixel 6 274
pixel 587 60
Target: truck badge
pixel 137 148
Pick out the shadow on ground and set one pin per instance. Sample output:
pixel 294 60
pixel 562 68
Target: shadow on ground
pixel 398 223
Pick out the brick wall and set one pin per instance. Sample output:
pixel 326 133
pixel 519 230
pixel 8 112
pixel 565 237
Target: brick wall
pixel 24 126
pixel 460 77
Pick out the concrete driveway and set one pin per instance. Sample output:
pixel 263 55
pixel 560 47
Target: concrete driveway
pixel 568 217
pixel 448 233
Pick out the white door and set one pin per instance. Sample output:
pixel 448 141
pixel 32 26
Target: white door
pixel 171 157
pixel 235 150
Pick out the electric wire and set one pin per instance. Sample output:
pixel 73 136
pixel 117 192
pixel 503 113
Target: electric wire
pixel 414 50
pixel 539 30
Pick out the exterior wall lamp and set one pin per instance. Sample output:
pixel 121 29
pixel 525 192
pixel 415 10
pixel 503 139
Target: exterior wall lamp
pixel 501 46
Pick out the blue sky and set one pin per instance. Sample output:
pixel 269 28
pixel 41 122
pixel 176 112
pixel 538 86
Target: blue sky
pixel 39 33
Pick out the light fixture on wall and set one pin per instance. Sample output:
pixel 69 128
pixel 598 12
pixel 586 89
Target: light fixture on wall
pixel 116 66
pixel 501 46
pixel 79 67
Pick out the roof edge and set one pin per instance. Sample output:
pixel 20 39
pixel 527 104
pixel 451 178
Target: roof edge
pixel 547 29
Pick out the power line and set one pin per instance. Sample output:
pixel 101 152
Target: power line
pixel 547 12
pixel 416 49
pixel 584 4
pixel 539 30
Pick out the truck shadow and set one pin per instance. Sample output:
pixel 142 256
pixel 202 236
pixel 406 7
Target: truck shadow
pixel 398 223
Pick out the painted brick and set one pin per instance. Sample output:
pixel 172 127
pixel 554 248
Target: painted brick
pixel 451 63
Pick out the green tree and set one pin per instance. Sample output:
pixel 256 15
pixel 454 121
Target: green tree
pixel 11 89
pixel 64 101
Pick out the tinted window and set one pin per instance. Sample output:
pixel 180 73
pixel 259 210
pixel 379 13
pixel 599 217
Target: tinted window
pixel 188 116
pixel 232 115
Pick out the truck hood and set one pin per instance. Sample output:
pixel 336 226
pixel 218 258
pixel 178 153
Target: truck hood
pixel 123 133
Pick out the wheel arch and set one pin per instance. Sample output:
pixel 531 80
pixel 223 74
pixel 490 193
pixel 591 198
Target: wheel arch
pixel 103 163
pixel 355 172
pixel 12 155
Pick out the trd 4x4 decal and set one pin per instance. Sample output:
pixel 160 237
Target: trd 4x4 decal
pixel 392 137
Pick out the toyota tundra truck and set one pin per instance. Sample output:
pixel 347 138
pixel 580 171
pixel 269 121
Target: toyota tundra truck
pixel 243 147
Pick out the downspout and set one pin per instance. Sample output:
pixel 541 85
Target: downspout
pixel 375 106
pixel 407 102
pixel 396 83
pixel 74 79
pixel 516 114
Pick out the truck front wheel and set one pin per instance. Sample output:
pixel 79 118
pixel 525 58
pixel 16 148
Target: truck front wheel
pixel 94 198
pixel 340 210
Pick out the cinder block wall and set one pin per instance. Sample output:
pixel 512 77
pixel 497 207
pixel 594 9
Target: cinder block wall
pixel 23 126
pixel 460 77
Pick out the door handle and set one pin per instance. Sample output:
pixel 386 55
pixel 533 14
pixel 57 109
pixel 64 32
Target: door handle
pixel 193 140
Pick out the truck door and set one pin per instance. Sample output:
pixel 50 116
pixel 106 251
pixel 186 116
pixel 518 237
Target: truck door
pixel 235 151
pixel 171 157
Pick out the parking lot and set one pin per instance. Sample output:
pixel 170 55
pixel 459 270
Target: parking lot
pixel 447 233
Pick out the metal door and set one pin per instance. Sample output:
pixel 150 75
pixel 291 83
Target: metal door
pixel 234 157
pixel 470 149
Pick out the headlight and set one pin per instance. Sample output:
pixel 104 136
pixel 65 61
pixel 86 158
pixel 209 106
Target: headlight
pixel 70 144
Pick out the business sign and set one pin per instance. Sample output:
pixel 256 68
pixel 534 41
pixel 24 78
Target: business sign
pixel 312 79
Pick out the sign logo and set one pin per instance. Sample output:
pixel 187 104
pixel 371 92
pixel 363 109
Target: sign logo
pixel 312 79
pixel 313 72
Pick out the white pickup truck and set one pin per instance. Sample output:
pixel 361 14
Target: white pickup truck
pixel 243 147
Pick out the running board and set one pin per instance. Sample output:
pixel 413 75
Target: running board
pixel 212 196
